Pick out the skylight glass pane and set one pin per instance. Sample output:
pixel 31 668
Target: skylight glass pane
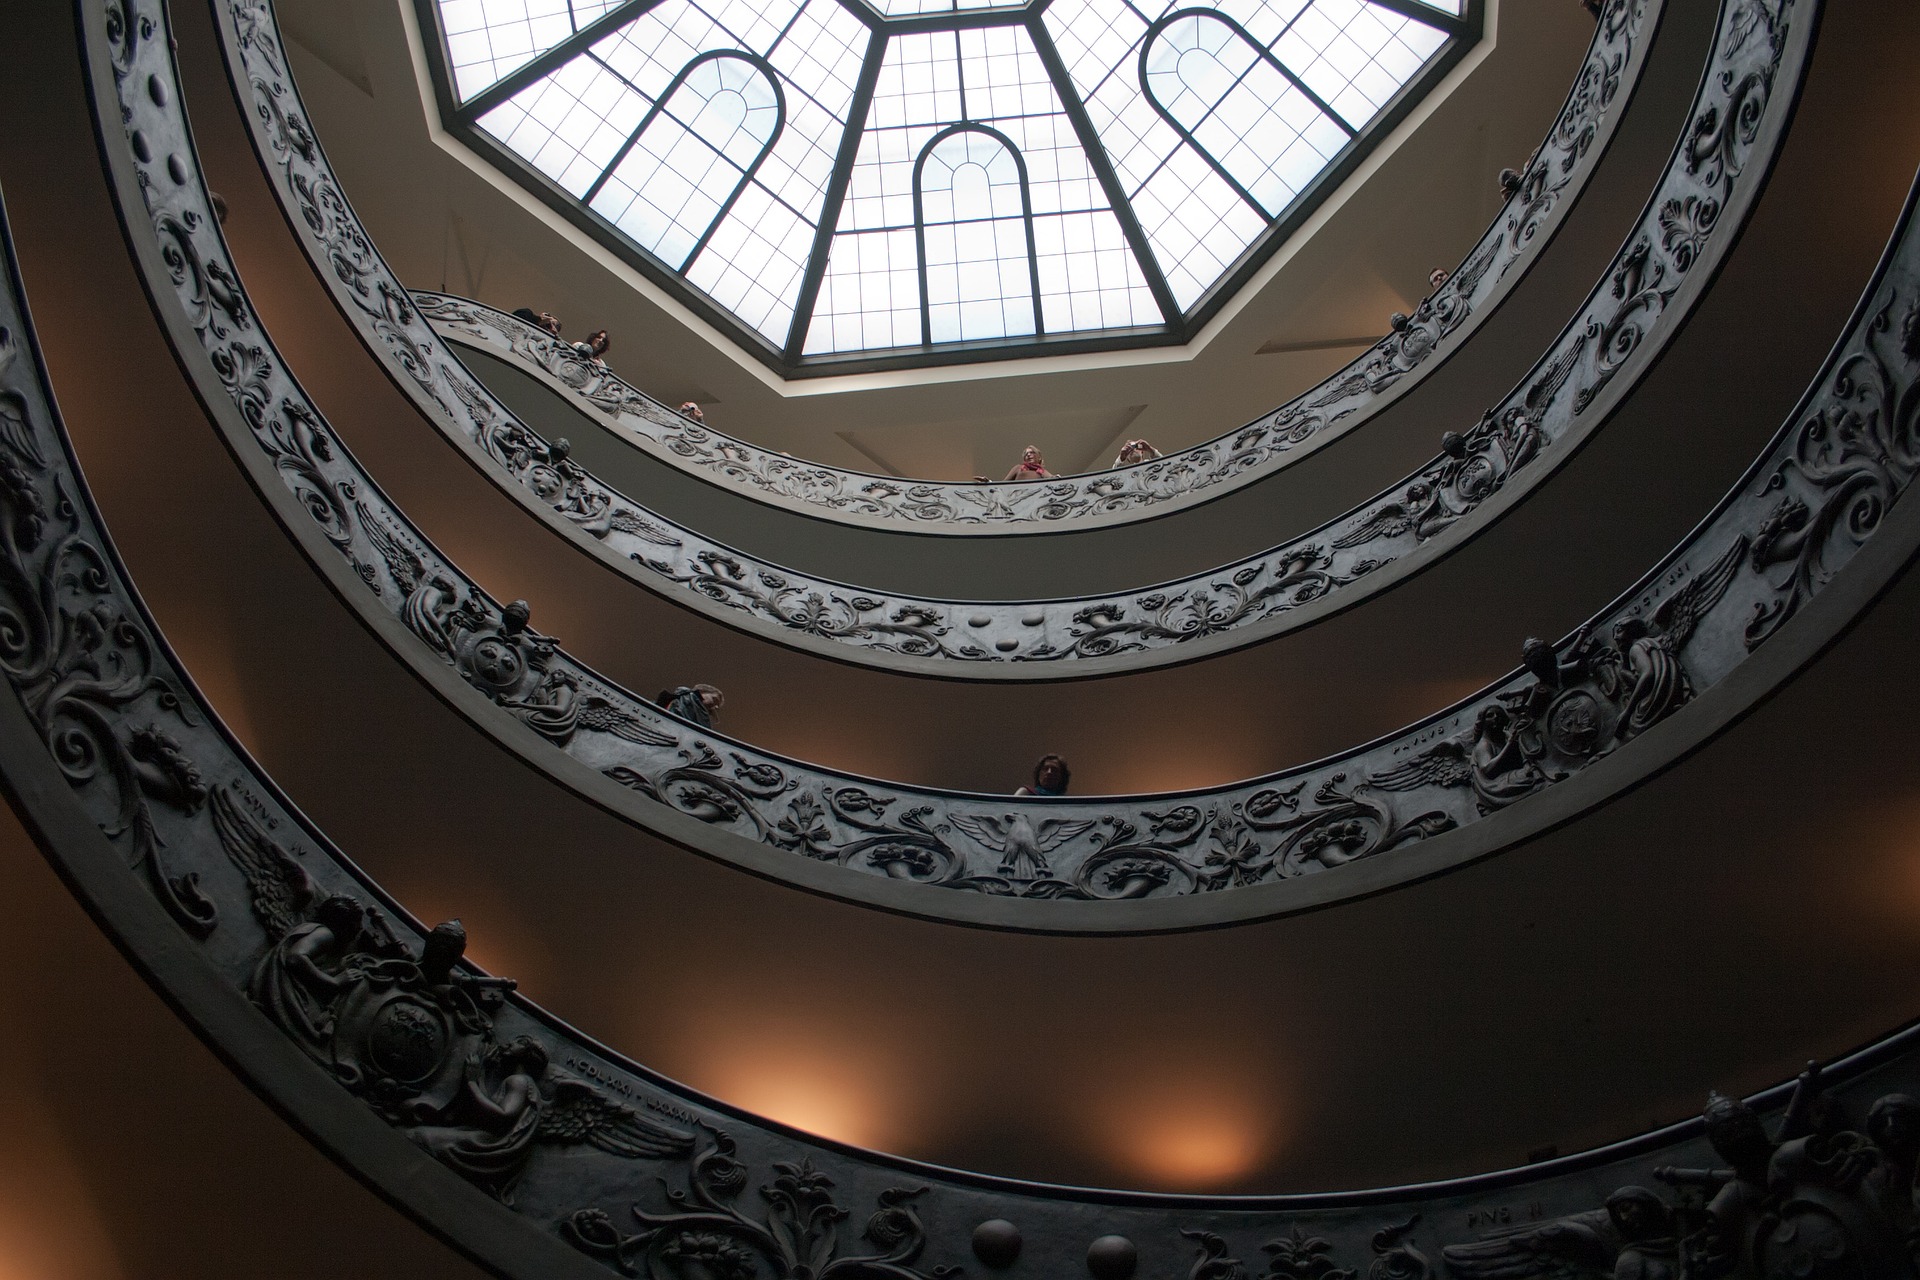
pixel 486 39
pixel 1088 276
pixel 691 156
pixel 1198 226
pixel 910 8
pixel 870 295
pixel 708 132
pixel 1238 108
pixel 570 125
pixel 974 236
pixel 1355 56
pixel 754 263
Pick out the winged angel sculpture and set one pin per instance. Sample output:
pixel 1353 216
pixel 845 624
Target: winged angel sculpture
pixel 1632 1238
pixel 1585 697
pixel 415 1035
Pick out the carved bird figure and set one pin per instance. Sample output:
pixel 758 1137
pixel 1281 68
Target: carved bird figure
pixel 1464 280
pixel 279 886
pixel 1555 376
pixel 599 714
pixel 1581 1246
pixel 1681 612
pixel 627 520
pixel 1018 840
pixel 1445 764
pixel 406 568
pixel 578 1112
pixel 1395 518
pixel 1632 1236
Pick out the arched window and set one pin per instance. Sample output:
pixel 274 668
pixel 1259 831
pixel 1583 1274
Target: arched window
pixel 1256 123
pixel 679 172
pixel 973 218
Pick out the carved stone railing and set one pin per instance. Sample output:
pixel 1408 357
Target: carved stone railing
pixel 546 1156
pixel 1708 189
pixel 1418 344
pixel 1513 759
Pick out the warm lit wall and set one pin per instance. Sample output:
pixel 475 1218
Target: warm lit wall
pixel 1756 905
pixel 129 1152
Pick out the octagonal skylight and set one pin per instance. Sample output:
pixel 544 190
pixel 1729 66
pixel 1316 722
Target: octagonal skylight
pixel 892 181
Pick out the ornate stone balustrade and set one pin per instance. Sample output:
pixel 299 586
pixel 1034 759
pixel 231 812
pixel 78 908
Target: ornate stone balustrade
pixel 1708 189
pixel 543 1154
pixel 1555 175
pixel 1394 809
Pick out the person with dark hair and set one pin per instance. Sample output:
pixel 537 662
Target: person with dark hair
pixel 545 321
pixel 1436 278
pixel 693 703
pixel 1030 467
pixel 1050 777
pixel 595 348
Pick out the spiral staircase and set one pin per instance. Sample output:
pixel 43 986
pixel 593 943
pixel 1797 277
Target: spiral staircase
pixel 1490 720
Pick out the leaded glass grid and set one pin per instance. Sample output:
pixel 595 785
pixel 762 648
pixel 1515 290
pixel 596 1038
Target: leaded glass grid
pixel 899 181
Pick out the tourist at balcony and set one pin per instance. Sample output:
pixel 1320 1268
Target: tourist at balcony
pixel 693 703
pixel 1436 278
pixel 691 412
pixel 1030 467
pixel 545 321
pixel 1050 777
pixel 595 348
pixel 1135 451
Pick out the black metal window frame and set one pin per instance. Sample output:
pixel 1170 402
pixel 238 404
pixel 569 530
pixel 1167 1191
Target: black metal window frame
pixel 461 119
pixel 659 108
pixel 1260 54
pixel 920 222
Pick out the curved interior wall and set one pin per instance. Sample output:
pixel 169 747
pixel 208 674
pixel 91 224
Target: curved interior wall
pixel 1342 826
pixel 831 722
pixel 1570 391
pixel 1671 918
pixel 108 1171
pixel 1056 722
pixel 124 787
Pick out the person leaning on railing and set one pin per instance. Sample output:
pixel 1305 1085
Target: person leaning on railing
pixel 694 703
pixel 544 320
pixel 1135 451
pixel 595 348
pixel 1030 467
pixel 1050 777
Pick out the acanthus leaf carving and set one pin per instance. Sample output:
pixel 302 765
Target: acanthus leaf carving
pixel 705 1233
